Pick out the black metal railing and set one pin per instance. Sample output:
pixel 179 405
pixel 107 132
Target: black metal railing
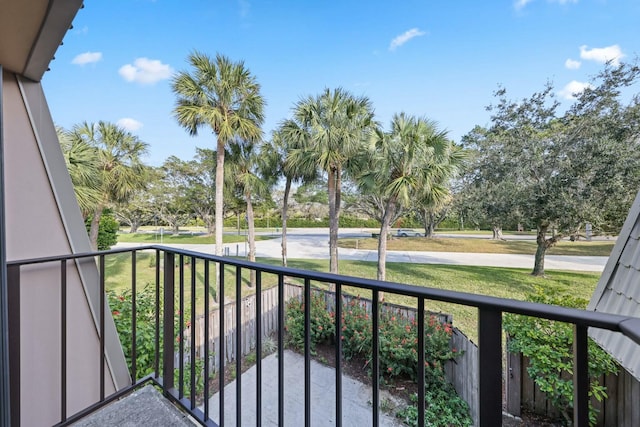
pixel 169 343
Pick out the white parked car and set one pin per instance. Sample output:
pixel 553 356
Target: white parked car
pixel 407 232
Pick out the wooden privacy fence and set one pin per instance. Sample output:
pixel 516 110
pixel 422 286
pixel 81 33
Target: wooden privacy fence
pixel 620 409
pixel 461 373
pixel 248 325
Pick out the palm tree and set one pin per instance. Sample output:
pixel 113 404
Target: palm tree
pixel 121 169
pixel 331 128
pixel 243 165
pixel 277 162
pixel 414 159
pixel 224 96
pixel 82 163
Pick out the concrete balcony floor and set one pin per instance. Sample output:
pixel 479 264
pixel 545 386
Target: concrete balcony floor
pixel 144 407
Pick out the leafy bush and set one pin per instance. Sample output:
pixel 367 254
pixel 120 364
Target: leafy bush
pixel 107 230
pixel 120 305
pixel 296 222
pixel 548 345
pixel 443 407
pixel 322 323
pixel 145 326
pixel 398 355
pixel 356 330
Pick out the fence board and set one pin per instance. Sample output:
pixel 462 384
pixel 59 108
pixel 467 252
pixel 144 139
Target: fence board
pixel 513 384
pixel 610 409
pixel 463 373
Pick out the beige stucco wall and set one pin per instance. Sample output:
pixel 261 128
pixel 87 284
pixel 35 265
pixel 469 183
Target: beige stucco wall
pixel 43 219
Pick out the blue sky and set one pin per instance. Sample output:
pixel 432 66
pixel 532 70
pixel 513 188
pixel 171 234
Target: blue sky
pixel 438 59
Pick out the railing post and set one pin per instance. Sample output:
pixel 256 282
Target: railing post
pixel 490 366
pixel 580 376
pixel 168 333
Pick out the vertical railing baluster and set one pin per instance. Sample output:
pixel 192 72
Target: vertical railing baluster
pixel 221 338
pixel 580 376
pixel 102 326
pixel 63 340
pixel 192 373
pixel 421 362
pixel 307 352
pixel 338 322
pixel 156 360
pixel 13 320
pixel 168 333
pixel 375 367
pixel 281 326
pixel 134 320
pixel 206 340
pixel 259 348
pixel 490 366
pixel 238 346
pixel 181 320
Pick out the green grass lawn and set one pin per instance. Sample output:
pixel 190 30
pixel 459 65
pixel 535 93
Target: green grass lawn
pixel 500 282
pixel 475 245
pixel 152 238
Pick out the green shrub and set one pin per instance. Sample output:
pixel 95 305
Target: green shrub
pixel 322 323
pixel 297 222
pixel 398 355
pixel 356 330
pixel 107 230
pixel 443 407
pixel 145 326
pixel 548 345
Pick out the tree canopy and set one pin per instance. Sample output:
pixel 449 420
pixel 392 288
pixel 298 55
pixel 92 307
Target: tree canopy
pixel 557 171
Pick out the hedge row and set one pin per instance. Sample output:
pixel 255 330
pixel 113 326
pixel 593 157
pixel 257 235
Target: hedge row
pixel 345 221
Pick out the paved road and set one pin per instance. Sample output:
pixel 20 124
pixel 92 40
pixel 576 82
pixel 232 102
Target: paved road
pixel 314 244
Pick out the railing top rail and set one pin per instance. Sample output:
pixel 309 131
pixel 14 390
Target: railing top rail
pixel 54 258
pixel 629 326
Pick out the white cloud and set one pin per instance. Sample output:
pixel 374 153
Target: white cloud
pixel 127 123
pixel 245 8
pixel 572 64
pixel 405 37
pixel 602 54
pixel 145 71
pixel 87 58
pixel 573 88
pixel 519 4
pixel 82 31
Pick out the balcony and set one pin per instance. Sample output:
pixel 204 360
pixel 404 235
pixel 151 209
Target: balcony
pixel 183 295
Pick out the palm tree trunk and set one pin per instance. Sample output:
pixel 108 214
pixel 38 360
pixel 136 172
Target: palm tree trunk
pixel 219 202
pixel 285 212
pixel 95 227
pixel 252 237
pixel 333 223
pixel 382 238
